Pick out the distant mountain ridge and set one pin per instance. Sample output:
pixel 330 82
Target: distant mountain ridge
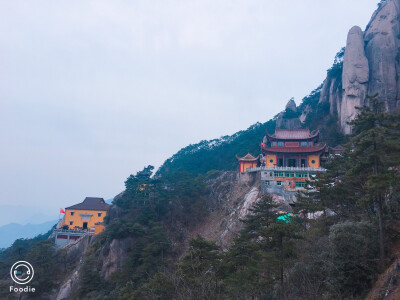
pixel 13 231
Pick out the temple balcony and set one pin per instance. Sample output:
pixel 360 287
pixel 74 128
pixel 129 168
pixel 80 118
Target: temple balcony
pixel 283 169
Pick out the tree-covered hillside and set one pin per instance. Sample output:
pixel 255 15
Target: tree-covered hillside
pixel 217 154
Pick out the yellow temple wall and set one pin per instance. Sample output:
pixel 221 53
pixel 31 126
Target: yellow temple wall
pixel 268 159
pixel 77 219
pixel 316 159
pixel 98 228
pixel 245 165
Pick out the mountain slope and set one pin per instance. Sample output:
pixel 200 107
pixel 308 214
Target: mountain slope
pixel 217 154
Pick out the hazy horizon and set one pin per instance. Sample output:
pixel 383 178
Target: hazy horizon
pixel 93 91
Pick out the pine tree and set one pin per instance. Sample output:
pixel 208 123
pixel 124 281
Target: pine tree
pixel 257 259
pixel 375 156
pixel 199 271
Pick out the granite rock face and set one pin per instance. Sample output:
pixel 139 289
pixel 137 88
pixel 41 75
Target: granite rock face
pixel 288 119
pixel 332 92
pixel 382 50
pixel 371 66
pixel 291 105
pixel 354 78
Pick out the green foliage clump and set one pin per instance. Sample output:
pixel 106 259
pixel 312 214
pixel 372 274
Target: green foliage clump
pixel 337 68
pixel 354 250
pixel 290 114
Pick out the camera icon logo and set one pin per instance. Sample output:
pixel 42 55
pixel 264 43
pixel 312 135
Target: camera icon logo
pixel 22 272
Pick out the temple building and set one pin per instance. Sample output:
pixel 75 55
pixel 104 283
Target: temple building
pixel 82 219
pixel 87 215
pixel 290 157
pixel 248 161
pixel 292 148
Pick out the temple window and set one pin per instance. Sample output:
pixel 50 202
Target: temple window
pixel 274 144
pixel 303 144
pixel 292 162
pixel 303 163
pixel 280 144
pixel 310 144
pixel 280 162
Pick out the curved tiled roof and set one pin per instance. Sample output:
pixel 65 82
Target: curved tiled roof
pixel 296 149
pixel 248 157
pixel 296 134
pixel 91 203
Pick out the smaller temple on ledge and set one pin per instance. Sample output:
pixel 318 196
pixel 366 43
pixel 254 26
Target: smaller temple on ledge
pixel 248 161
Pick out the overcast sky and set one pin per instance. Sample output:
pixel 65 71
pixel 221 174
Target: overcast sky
pixel 92 91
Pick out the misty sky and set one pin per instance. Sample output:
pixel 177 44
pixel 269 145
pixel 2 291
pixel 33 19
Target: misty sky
pixel 92 91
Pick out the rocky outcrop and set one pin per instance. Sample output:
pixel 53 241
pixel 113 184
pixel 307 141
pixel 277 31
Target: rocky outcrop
pixel 73 255
pixel 232 195
pixel 332 92
pixel 289 119
pixel 354 78
pixel 371 66
pixel 69 285
pixel 382 50
pixel 113 256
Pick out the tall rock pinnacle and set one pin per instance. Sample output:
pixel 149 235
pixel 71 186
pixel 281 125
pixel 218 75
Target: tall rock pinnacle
pixel 354 77
pixel 371 66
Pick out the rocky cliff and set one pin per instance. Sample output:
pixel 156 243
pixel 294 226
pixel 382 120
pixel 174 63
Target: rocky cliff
pixel 370 67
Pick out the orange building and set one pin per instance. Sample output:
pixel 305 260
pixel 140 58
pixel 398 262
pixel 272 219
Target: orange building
pixel 293 148
pixel 87 215
pixel 248 161
pixel 291 157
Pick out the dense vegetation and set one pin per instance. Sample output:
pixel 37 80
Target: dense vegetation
pixel 335 256
pixel 154 213
pixel 40 252
pixel 218 154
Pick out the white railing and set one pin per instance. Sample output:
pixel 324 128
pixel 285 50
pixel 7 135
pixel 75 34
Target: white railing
pixel 71 231
pixel 302 169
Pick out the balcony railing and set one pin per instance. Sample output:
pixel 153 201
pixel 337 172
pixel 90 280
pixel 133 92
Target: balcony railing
pixel 298 169
pixel 72 231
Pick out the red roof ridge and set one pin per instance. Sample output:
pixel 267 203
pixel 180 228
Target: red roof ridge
pixel 296 149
